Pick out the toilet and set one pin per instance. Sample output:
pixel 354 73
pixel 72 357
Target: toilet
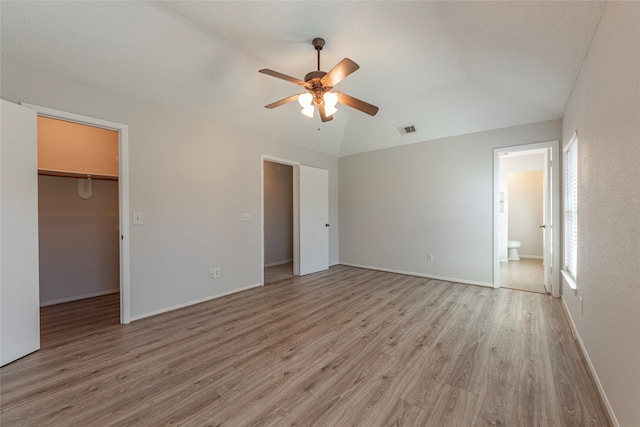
pixel 513 246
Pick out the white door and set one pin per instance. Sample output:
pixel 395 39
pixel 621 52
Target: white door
pixel 19 281
pixel 314 219
pixel 547 225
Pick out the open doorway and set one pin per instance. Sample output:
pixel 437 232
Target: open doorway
pixel 107 187
pixel 521 261
pixel 278 221
pixel 78 212
pixel 310 211
pixel 525 210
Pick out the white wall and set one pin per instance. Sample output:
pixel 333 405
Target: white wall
pixel 605 109
pixel 399 204
pixel 79 239
pixel 192 178
pixel 525 212
pixel 278 213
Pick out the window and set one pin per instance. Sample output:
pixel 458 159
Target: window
pixel 571 211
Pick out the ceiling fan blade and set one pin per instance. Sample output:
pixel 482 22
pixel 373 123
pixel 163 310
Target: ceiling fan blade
pixel 340 72
pixel 281 76
pixel 283 101
pixel 323 114
pixel 358 104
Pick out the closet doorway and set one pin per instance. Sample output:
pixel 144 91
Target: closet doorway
pixel 78 217
pixel 278 216
pixel 83 209
pixel 78 213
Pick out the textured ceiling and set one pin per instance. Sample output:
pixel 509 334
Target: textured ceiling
pixel 449 68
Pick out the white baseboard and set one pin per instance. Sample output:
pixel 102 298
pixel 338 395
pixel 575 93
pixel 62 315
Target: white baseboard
pixel 603 395
pixel 428 276
pixel 79 297
pixel 334 264
pixel 531 256
pixel 273 264
pixel 198 301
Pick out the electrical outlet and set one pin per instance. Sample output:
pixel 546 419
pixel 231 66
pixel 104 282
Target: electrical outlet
pixel 430 257
pixel 246 217
pixel 211 273
pixel 138 218
pixel 217 272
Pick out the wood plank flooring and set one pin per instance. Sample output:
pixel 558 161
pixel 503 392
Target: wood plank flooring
pixel 278 273
pixel 524 275
pixel 343 347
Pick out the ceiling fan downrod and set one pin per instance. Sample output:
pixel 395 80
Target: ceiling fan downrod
pixel 318 44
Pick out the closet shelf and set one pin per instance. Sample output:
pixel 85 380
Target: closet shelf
pixel 72 174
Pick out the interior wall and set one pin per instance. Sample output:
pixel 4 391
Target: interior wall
pixel 192 178
pixel 278 213
pixel 79 239
pixel 400 204
pixel 604 108
pixel 526 212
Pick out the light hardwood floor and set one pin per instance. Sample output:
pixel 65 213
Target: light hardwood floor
pixel 277 273
pixel 524 275
pixel 343 347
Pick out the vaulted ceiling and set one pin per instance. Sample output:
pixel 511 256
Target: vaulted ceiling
pixel 449 68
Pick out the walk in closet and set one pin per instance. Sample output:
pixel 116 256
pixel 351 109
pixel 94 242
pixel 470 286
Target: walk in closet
pixel 78 211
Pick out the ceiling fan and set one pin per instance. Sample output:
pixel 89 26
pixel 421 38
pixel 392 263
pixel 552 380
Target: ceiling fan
pixel 319 85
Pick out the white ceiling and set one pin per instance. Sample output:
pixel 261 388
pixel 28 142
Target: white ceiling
pixel 449 68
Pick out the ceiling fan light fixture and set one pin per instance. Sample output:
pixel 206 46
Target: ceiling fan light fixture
pixel 330 101
pixel 329 111
pixel 308 111
pixel 304 99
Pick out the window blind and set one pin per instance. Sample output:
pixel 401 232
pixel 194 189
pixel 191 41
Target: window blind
pixel 571 207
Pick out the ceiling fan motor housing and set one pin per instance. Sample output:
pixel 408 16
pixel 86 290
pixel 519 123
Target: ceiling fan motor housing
pixel 314 75
pixel 315 85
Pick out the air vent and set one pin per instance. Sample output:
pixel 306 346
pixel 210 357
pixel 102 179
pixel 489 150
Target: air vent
pixel 407 129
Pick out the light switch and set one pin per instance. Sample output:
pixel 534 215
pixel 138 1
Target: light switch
pixel 138 218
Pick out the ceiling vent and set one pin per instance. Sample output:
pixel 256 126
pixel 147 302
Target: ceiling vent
pixel 407 129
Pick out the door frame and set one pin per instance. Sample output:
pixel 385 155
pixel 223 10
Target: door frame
pixel 296 212
pixel 123 193
pixel 554 146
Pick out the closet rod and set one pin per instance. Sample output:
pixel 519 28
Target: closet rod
pixel 70 174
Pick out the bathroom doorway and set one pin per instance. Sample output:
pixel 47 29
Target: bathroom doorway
pixel 522 187
pixel 525 210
